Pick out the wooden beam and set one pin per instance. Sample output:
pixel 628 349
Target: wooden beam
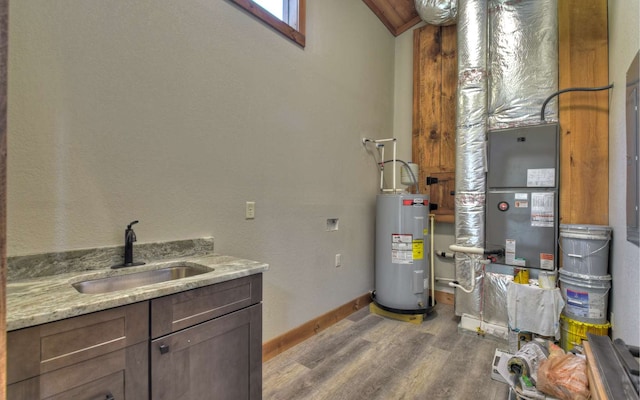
pixel 448 99
pixel 584 116
pixel 427 93
pixel 398 15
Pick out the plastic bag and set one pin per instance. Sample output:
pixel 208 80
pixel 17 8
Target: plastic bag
pixel 527 360
pixel 563 375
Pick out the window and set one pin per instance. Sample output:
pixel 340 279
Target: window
pixel 285 16
pixel 275 7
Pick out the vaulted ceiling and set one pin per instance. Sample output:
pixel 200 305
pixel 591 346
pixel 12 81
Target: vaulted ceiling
pixel 396 15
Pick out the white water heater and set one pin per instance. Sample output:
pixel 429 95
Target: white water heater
pixel 402 253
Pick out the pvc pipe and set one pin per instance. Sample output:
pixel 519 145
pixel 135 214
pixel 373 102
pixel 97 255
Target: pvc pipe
pixel 445 254
pixel 473 277
pixel 394 166
pixel 379 145
pixel 468 250
pixel 473 282
pixel 382 169
pixel 432 219
pixel 384 140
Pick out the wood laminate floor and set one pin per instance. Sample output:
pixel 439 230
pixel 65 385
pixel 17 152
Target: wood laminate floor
pixel 366 356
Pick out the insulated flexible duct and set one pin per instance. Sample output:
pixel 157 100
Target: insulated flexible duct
pixel 507 66
pixel 437 12
pixel 471 127
pixel 523 61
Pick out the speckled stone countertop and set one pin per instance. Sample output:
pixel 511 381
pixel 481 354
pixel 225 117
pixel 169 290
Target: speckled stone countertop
pixel 41 299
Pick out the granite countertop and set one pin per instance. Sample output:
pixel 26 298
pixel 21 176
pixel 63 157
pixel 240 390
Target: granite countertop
pixel 34 301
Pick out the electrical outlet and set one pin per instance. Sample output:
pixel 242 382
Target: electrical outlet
pixel 338 260
pixel 250 210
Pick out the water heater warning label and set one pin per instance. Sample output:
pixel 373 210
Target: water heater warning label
pixel 401 248
pixel 418 249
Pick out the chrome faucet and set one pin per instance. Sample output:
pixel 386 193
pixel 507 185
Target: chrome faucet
pixel 129 238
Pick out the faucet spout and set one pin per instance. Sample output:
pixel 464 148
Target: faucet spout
pixel 129 238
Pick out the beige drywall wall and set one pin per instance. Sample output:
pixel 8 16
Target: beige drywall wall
pixel 176 113
pixel 624 43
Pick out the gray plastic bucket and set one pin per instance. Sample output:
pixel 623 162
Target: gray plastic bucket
pixel 586 297
pixel 585 249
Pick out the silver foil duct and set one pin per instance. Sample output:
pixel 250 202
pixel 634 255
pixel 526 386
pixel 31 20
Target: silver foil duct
pixel 507 67
pixel 471 127
pixel 494 307
pixel 523 61
pixel 437 12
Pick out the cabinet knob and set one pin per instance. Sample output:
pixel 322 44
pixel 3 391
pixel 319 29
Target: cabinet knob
pixel 109 397
pixel 164 349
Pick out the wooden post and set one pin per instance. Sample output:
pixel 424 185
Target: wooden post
pixel 584 116
pixel 4 30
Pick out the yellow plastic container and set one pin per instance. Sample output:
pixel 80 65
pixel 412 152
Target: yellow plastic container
pixel 574 332
pixel 521 276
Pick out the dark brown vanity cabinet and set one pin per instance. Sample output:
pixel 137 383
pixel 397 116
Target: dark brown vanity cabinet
pixel 103 355
pixel 204 343
pixel 207 343
pixel 216 359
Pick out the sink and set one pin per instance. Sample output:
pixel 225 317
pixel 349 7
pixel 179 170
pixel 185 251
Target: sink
pixel 138 279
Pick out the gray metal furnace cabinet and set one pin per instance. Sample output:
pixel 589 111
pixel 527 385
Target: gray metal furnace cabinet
pixel 522 195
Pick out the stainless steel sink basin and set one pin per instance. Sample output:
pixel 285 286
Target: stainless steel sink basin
pixel 138 279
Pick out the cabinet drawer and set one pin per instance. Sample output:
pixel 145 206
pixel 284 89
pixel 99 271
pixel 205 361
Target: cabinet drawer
pixel 182 310
pixel 48 347
pixel 121 374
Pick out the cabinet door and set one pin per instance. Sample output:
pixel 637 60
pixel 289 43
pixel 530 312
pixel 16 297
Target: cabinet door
pixel 119 375
pixel 435 79
pixel 220 358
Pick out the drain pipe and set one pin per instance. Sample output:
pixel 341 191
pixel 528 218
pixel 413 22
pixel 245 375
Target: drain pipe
pixel 469 250
pixel 432 219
